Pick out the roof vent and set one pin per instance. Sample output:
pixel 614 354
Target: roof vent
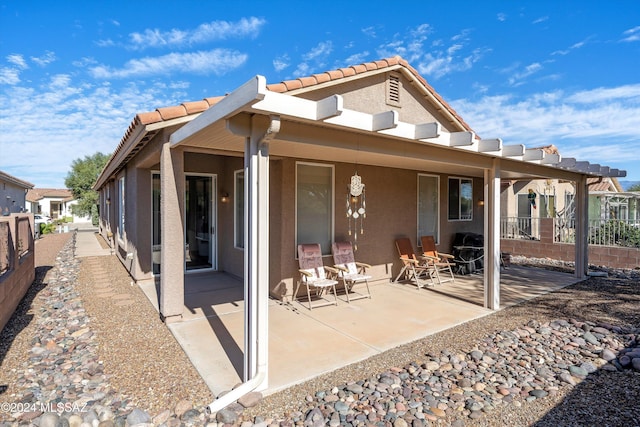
pixel 393 89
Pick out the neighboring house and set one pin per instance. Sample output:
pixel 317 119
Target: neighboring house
pixel 524 202
pixel 232 184
pixel 13 194
pixel 56 203
pixel 607 201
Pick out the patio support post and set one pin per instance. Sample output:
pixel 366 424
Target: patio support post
pixel 492 236
pixel 256 256
pixel 256 289
pixel 172 234
pixel 582 227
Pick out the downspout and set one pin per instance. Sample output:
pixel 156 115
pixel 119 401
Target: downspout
pixel 251 364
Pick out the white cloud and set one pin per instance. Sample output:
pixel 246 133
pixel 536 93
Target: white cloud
pixel 369 32
pixel 217 61
pixel 632 34
pixel 80 119
pixel 281 63
pixel 579 123
pixel 9 76
pixel 518 78
pixel 211 31
pixel 502 17
pixel 541 19
pixel 440 58
pixel 357 58
pixel 18 61
pixel 322 50
pixel 45 59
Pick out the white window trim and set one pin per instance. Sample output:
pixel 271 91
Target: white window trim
pixel 437 177
pixel 121 207
pixel 333 204
pixel 236 223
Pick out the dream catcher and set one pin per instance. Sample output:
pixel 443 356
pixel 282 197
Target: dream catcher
pixel 356 208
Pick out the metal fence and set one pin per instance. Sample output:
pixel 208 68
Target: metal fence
pixel 520 228
pixel 602 232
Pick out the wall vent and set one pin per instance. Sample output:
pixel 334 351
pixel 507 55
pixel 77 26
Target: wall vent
pixel 393 89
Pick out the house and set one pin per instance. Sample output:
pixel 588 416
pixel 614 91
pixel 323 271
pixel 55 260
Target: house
pixel 12 194
pixel 524 202
pixel 56 203
pixel 234 183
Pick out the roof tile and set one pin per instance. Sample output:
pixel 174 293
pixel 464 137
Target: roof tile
pixel 195 106
pixel 308 81
pixel 149 117
pixel 277 87
pixel 335 74
pixel 322 78
pixel 173 112
pixel 293 84
pixel 361 68
pixel 348 72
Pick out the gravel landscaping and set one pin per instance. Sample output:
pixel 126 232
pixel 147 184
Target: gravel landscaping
pixel 86 339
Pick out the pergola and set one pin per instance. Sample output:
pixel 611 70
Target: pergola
pixel 258 123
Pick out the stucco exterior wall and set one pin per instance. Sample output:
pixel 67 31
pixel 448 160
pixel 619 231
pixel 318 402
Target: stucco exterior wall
pixel 369 96
pixel 391 213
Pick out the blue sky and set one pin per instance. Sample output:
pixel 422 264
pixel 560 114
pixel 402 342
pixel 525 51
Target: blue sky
pixel 73 74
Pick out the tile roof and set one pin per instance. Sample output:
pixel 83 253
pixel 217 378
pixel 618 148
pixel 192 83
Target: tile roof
pixel 604 184
pixel 36 194
pixel 195 107
pixel 341 73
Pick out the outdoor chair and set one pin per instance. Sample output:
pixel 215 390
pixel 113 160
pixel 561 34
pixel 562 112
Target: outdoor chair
pixel 349 271
pixel 319 280
pixel 419 272
pixel 442 262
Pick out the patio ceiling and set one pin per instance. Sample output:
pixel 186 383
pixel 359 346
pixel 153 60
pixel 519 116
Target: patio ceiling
pixel 325 130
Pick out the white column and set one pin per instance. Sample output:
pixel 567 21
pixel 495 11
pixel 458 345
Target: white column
pixel 256 278
pixel 582 228
pixel 492 236
pixel 172 233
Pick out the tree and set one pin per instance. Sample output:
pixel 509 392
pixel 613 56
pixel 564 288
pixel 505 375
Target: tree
pixel 80 180
pixel 635 187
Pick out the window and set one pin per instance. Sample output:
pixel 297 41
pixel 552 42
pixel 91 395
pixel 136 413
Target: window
pixel 314 205
pixel 238 209
pixel 460 199
pixel 121 208
pixel 428 206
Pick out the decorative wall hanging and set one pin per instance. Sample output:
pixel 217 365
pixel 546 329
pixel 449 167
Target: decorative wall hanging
pixel 356 208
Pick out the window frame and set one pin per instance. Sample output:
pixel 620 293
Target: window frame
pixel 461 181
pixel 437 228
pixel 121 207
pixel 238 223
pixel 331 209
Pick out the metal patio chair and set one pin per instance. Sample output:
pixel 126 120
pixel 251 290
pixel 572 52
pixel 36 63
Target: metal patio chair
pixel 319 280
pixel 441 261
pixel 414 270
pixel 350 272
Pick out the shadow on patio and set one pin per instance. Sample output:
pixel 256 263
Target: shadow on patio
pixel 304 344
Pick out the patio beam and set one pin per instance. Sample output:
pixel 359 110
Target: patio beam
pixel 236 101
pixel 490 146
pixel 515 152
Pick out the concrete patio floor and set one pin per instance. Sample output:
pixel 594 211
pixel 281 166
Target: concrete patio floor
pixel 306 343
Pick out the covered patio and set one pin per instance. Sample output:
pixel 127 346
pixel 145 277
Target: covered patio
pixel 306 343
